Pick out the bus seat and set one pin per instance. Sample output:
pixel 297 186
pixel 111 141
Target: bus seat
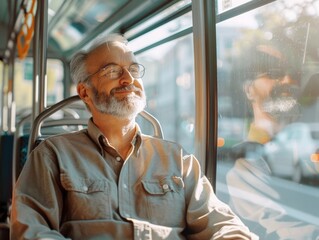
pixel 4 231
pixel 22 153
pixel 36 136
pixel 41 122
pixel 6 149
pixel 22 135
pixel 20 146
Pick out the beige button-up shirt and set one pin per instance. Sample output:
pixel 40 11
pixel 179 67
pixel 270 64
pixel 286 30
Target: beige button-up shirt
pixel 76 186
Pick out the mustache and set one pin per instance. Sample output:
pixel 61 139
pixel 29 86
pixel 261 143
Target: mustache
pixel 126 88
pixel 279 89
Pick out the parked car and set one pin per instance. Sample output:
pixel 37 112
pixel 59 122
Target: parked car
pixel 293 152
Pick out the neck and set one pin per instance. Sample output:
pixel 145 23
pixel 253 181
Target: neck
pixel 119 132
pixel 265 121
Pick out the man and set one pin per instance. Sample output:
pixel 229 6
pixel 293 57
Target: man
pixel 272 93
pixel 111 181
pixel 271 86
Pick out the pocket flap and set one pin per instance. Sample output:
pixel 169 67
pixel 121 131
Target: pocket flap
pixel 163 185
pixel 83 185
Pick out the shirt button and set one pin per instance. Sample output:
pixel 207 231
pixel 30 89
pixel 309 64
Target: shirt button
pixel 118 158
pixel 85 188
pixel 124 186
pixel 165 186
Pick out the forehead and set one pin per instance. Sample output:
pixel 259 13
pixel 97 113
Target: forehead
pixel 113 52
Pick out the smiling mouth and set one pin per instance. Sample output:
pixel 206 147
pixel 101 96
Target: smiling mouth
pixel 124 92
pixel 285 94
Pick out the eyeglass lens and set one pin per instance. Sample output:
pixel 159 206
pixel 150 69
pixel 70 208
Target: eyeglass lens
pixel 113 72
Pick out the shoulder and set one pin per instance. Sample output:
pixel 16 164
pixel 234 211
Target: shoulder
pixel 161 143
pixel 151 139
pixel 68 136
pixel 251 155
pixel 241 150
pixel 167 147
pixel 62 141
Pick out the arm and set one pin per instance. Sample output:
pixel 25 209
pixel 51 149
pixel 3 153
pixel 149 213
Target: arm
pixel 254 196
pixel 207 217
pixel 37 198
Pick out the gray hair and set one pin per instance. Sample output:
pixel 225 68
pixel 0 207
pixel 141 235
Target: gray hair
pixel 77 65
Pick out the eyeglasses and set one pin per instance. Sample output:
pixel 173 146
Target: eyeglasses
pixel 279 73
pixel 114 71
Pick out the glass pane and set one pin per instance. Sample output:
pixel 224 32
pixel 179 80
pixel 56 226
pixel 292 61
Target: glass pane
pixel 55 74
pixel 1 84
pixel 268 83
pixel 166 30
pixel 81 18
pixel 225 5
pixel 170 87
pixel 23 84
pixel 54 6
pixel 1 71
pixel 174 8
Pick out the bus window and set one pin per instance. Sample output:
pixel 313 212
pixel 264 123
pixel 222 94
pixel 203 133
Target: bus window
pixel 225 5
pixel 167 53
pixel 169 85
pixel 179 24
pixel 268 63
pixel 24 78
pixel 80 18
pixel 1 84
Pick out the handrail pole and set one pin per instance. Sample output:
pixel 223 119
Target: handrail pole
pixel 43 33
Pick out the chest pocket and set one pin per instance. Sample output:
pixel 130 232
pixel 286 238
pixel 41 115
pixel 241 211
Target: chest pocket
pixel 165 200
pixel 85 198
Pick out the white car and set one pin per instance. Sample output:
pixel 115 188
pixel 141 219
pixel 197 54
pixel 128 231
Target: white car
pixel 293 152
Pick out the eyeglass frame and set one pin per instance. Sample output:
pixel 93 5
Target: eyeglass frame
pixel 279 73
pixel 114 64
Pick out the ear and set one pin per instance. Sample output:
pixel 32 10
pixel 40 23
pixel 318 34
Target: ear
pixel 249 91
pixel 82 90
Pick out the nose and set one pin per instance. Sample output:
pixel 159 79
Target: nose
pixel 287 80
pixel 126 78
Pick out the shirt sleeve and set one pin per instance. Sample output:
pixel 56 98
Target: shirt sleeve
pixel 263 207
pixel 37 198
pixel 207 217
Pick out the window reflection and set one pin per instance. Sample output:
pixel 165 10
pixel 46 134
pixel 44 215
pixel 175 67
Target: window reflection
pixel 268 61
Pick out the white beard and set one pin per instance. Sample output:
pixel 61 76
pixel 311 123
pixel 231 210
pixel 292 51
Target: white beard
pixel 283 108
pixel 127 107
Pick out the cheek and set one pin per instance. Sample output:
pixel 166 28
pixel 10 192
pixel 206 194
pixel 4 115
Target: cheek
pixel 263 88
pixel 139 84
pixel 106 87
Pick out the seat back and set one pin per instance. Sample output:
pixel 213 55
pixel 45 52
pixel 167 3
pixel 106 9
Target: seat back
pixel 4 231
pixel 35 133
pixel 6 149
pixel 20 147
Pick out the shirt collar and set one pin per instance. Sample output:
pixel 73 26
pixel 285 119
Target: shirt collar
pixel 97 136
pixel 258 134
